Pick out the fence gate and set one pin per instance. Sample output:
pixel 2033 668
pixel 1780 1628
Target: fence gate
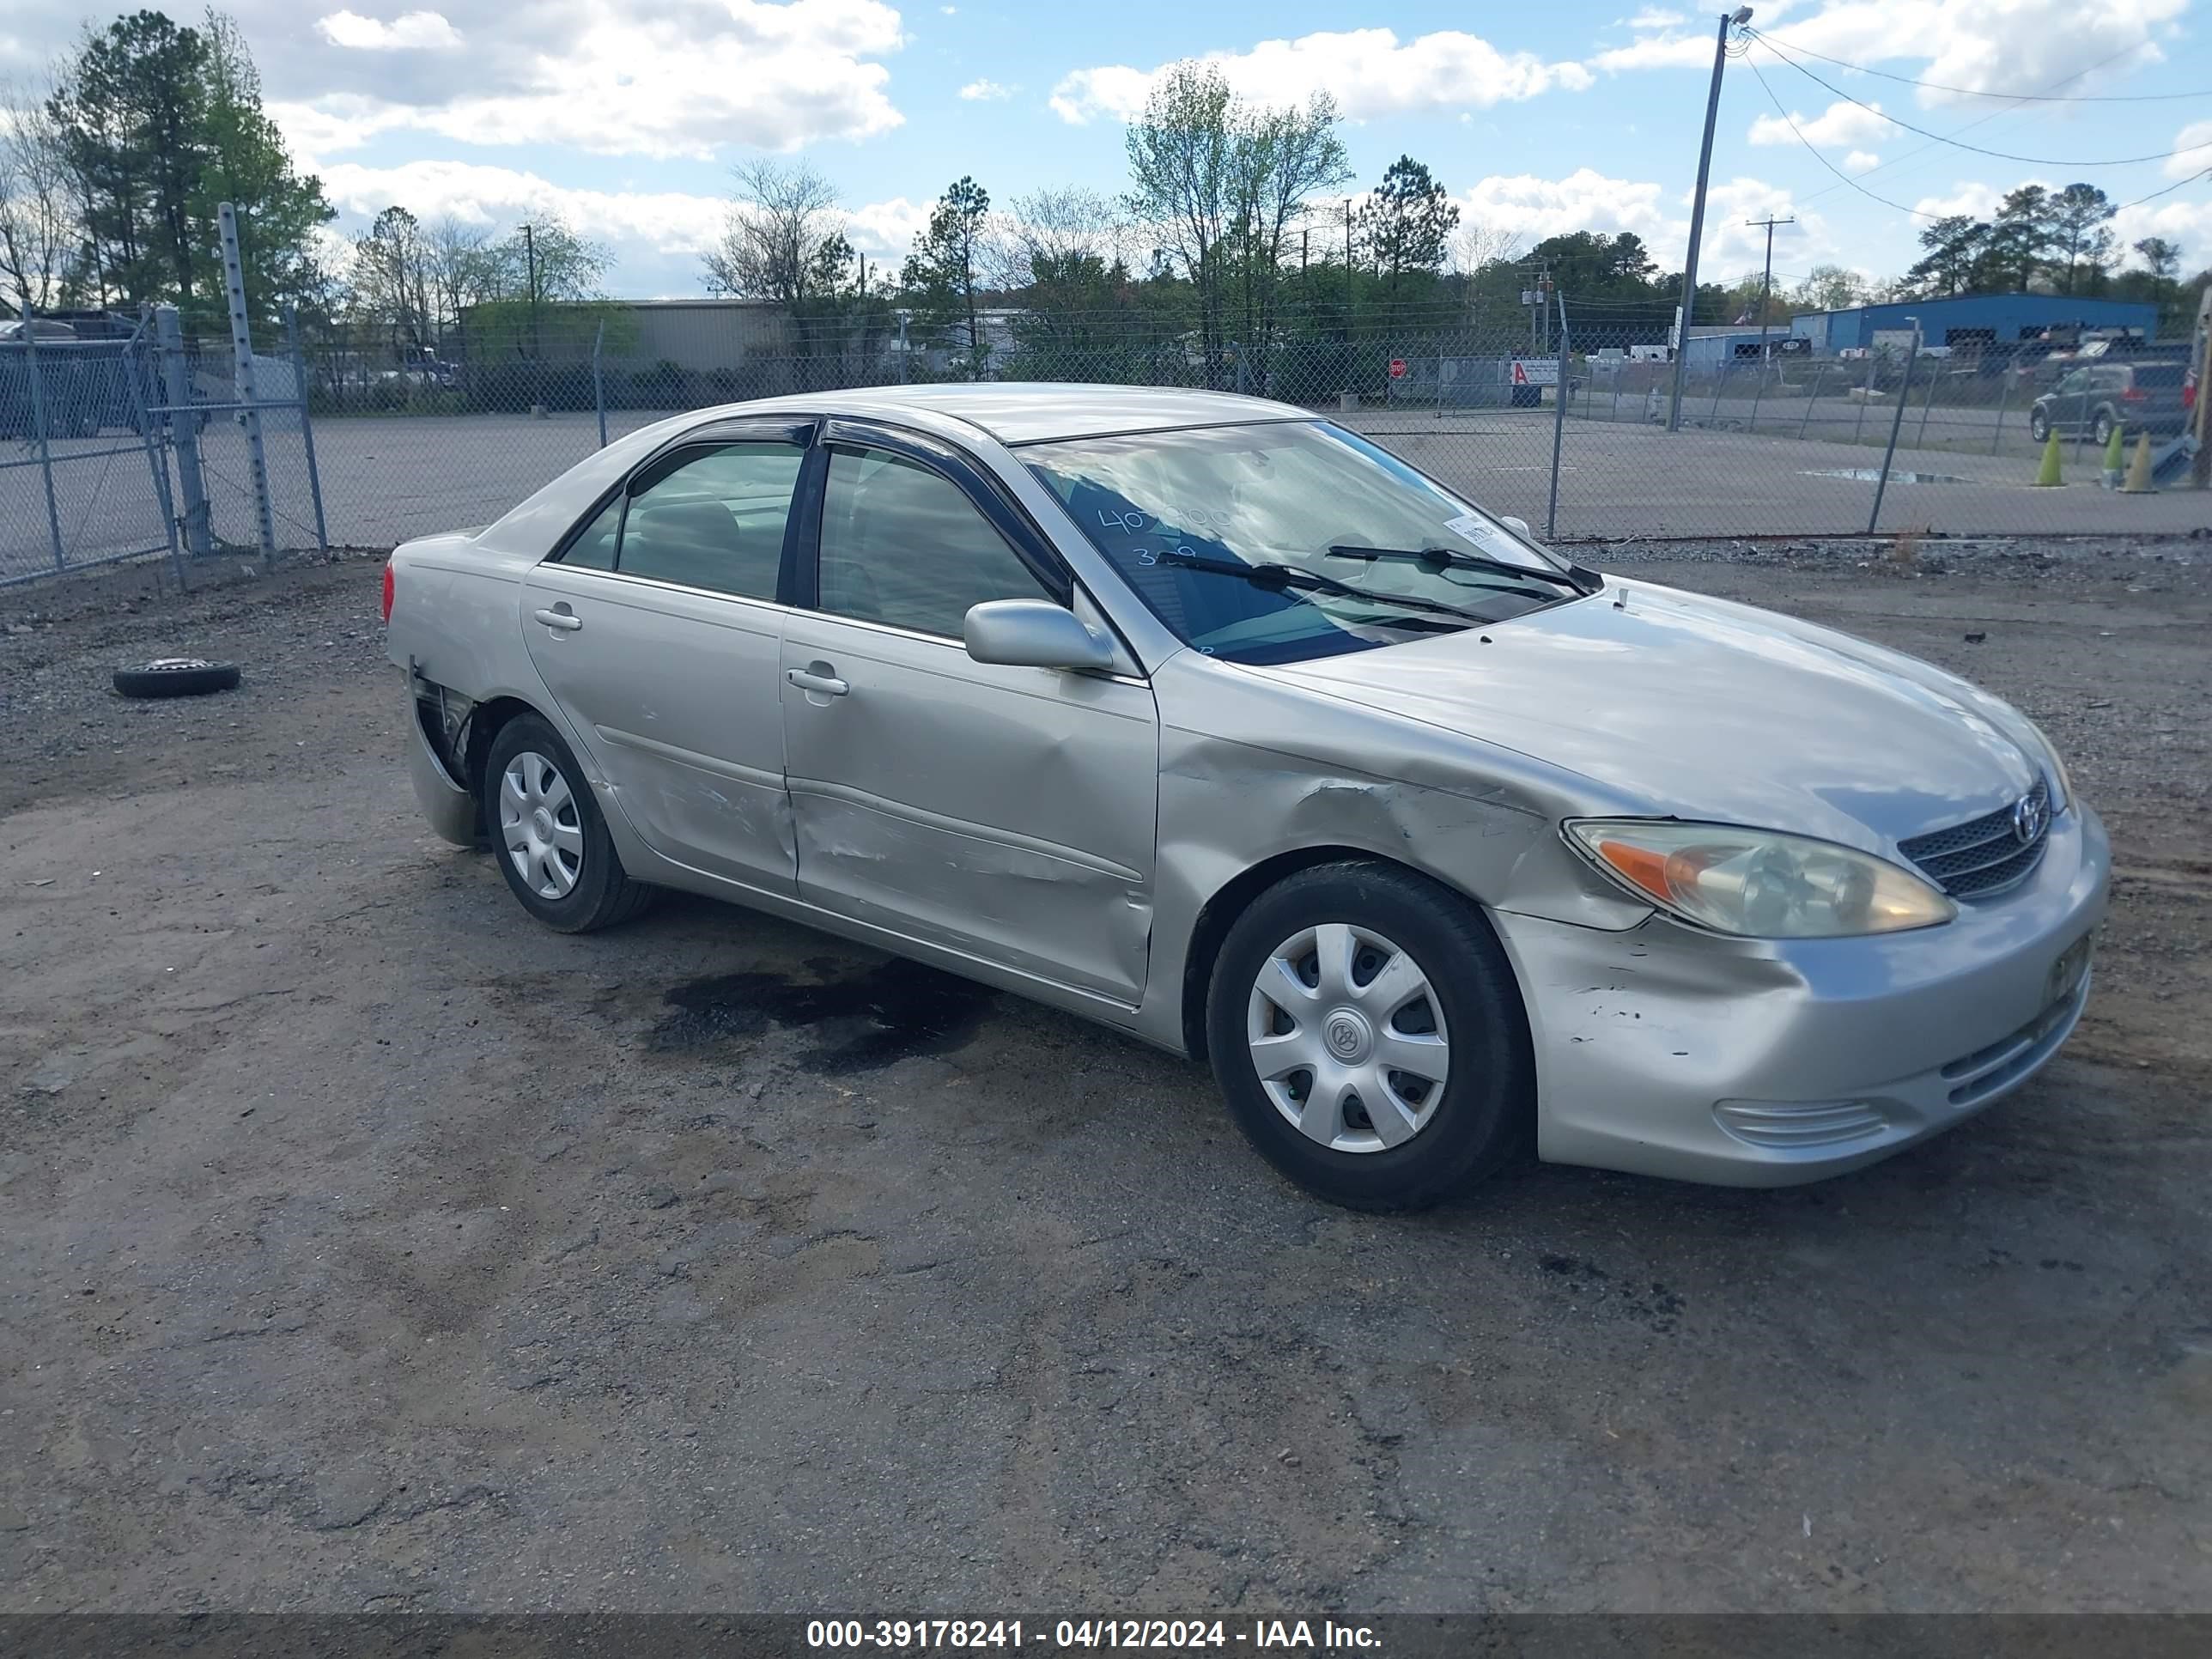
pixel 82 475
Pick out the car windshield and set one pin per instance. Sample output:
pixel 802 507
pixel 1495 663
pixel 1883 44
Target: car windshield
pixel 1184 516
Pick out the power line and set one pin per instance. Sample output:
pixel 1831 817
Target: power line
pixel 1916 212
pixel 1979 121
pixel 1941 139
pixel 2014 97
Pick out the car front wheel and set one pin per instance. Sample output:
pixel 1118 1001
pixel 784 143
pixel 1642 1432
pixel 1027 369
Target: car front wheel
pixel 1369 1037
pixel 545 826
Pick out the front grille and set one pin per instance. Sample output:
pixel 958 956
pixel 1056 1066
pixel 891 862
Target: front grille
pixel 1982 857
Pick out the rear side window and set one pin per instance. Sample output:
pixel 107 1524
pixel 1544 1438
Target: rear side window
pixel 715 521
pixel 2150 375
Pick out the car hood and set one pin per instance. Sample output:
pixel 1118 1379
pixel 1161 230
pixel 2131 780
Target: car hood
pixel 1700 708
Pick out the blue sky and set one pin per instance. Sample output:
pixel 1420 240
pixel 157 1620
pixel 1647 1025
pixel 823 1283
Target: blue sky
pixel 627 117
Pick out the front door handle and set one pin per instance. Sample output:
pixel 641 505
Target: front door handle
pixel 806 680
pixel 566 621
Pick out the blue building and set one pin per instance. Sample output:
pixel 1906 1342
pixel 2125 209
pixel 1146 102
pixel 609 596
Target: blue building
pixel 1993 322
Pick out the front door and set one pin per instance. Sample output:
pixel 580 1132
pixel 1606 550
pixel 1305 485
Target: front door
pixel 1008 813
pixel 659 631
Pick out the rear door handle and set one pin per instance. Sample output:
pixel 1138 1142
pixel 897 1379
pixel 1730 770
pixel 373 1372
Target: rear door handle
pixel 565 621
pixel 828 684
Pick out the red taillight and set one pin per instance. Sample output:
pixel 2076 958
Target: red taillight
pixel 2134 394
pixel 387 590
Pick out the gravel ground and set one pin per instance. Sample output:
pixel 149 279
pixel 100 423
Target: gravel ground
pixel 369 1249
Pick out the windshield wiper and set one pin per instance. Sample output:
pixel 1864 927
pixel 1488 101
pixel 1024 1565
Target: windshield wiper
pixel 1444 558
pixel 1280 576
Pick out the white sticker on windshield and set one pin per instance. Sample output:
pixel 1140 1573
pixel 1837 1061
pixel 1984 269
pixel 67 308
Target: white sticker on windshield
pixel 1493 540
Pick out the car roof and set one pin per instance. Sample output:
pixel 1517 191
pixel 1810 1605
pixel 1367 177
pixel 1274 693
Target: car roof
pixel 1036 411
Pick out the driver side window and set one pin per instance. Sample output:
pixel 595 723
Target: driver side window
pixel 902 544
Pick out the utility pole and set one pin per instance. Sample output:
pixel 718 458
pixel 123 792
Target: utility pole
pixel 1732 20
pixel 1766 282
pixel 1347 265
pixel 530 264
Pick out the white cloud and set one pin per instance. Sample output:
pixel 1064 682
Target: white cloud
pixel 1970 198
pixel 1368 70
pixel 2195 142
pixel 985 92
pixel 2186 223
pixel 1652 18
pixel 1585 199
pixel 1842 123
pixel 1987 45
pixel 631 223
pixel 684 78
pixel 1657 51
pixel 412 31
pixel 1860 159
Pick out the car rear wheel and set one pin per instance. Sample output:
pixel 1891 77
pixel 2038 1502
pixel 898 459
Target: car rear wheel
pixel 1369 1037
pixel 552 842
pixel 2039 425
pixel 2102 430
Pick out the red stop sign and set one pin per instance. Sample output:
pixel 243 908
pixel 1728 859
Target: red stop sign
pixel 1397 369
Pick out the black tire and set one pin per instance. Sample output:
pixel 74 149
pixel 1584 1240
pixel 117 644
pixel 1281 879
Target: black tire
pixel 1485 1115
pixel 603 894
pixel 2102 432
pixel 2039 425
pixel 176 676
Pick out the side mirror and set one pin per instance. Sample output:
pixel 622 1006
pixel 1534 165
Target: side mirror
pixel 1034 633
pixel 1518 526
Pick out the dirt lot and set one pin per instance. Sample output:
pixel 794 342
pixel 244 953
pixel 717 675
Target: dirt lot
pixel 366 1247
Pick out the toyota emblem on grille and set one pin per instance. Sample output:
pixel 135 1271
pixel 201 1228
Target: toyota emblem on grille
pixel 2030 817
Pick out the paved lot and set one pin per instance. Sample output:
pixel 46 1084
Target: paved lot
pixel 385 479
pixel 368 1247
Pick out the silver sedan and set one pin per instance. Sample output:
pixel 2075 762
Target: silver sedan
pixel 1212 721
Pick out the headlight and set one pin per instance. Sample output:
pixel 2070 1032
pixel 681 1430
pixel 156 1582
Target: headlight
pixel 2062 787
pixel 1756 882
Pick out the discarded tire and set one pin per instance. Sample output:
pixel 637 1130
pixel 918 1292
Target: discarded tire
pixel 176 676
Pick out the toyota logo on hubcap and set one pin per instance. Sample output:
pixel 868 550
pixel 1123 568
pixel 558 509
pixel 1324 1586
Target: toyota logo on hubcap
pixel 1347 1036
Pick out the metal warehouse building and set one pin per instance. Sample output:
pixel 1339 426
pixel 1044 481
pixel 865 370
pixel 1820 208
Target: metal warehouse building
pixel 1995 319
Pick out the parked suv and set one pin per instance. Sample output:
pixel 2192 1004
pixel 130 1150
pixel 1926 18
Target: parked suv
pixel 2127 397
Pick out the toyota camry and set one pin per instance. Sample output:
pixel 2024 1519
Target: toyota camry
pixel 1212 721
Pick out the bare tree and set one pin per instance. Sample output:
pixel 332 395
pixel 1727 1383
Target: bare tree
pixel 785 238
pixel 464 269
pixel 1476 246
pixel 1055 230
pixel 39 222
pixel 1279 157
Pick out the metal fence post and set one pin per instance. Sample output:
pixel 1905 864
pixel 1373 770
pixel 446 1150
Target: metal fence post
pixel 241 343
pixel 1926 403
pixel 1820 375
pixel 2004 401
pixel 154 463
pixel 184 429
pixel 1758 387
pixel 306 425
pixel 1558 425
pixel 1720 385
pixel 1896 420
pixel 39 430
pixel 599 382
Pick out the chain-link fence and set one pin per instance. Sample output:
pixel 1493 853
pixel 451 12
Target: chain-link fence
pixel 1588 426
pixel 144 445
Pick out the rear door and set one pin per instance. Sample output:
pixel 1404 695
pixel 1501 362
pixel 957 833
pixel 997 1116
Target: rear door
pixel 1008 813
pixel 2156 403
pixel 2068 398
pixel 659 627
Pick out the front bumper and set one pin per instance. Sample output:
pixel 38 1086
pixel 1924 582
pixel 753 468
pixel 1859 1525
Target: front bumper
pixel 1758 1063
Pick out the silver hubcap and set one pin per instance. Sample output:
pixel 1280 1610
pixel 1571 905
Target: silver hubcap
pixel 538 823
pixel 1348 1038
